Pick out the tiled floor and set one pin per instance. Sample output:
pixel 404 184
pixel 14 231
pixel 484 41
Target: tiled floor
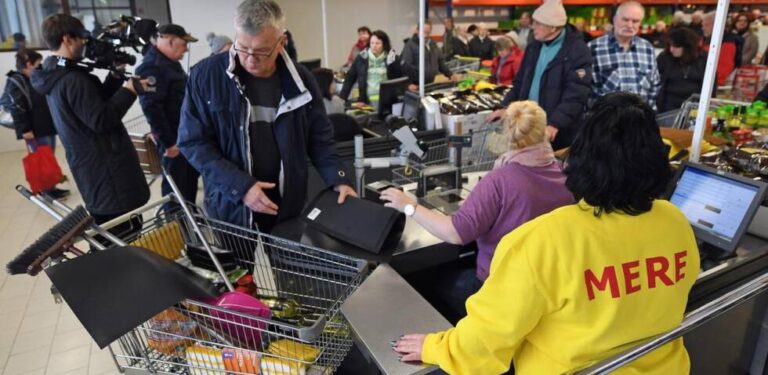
pixel 38 336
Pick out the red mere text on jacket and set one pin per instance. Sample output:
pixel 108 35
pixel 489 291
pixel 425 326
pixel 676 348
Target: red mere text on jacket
pixel 634 276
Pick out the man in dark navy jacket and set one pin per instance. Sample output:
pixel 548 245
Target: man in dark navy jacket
pixel 162 107
pixel 556 73
pixel 250 121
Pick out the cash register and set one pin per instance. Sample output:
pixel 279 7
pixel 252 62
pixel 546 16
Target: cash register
pixel 718 205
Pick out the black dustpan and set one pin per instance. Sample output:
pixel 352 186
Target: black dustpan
pixel 113 291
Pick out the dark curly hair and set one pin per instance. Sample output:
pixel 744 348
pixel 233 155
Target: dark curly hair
pixel 617 161
pixel 383 37
pixel 688 40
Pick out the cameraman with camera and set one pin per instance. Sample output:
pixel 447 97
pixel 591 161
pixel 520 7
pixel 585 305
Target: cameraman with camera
pixel 88 117
pixel 162 107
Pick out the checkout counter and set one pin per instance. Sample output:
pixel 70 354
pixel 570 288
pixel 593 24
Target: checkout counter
pixel 386 305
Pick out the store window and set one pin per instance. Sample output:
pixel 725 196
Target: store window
pixel 20 20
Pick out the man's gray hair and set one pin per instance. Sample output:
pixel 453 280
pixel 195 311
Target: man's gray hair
pixel 253 15
pixel 628 4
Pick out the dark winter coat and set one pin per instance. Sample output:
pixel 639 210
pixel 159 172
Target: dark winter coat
pixel 433 61
pixel 163 106
pixel 565 85
pixel 678 82
pixel 88 117
pixel 358 73
pixel 481 48
pixel 213 135
pixel 35 118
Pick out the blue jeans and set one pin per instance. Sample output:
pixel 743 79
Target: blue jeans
pixel 49 140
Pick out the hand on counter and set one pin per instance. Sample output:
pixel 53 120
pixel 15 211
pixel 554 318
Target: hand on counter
pixel 397 199
pixel 344 192
pixel 258 201
pixel 410 347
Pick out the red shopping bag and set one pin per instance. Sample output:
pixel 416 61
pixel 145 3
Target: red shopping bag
pixel 41 168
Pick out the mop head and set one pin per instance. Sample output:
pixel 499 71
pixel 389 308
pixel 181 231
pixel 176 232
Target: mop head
pixel 52 243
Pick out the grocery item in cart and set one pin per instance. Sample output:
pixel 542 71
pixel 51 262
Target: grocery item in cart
pixel 170 331
pixel 204 360
pixel 294 349
pixel 241 361
pixel 165 241
pixel 279 366
pixel 242 326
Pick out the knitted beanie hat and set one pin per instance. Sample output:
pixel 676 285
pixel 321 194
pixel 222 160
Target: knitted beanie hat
pixel 217 42
pixel 551 13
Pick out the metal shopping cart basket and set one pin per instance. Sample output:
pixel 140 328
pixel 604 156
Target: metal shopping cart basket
pixel 488 143
pixel 306 333
pixel 196 338
pixel 462 64
pixel 685 118
pixel 141 137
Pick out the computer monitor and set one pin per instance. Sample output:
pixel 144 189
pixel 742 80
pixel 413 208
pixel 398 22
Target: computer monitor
pixel 718 205
pixel 390 92
pixel 311 64
pixel 411 106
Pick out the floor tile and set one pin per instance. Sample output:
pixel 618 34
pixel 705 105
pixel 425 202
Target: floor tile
pixel 35 372
pixel 71 340
pixel 79 371
pixel 38 305
pixel 41 320
pixel 101 363
pixel 4 354
pixel 69 360
pixel 29 341
pixel 26 362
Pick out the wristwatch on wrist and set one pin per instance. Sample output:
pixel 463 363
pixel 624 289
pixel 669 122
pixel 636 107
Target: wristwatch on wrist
pixel 409 210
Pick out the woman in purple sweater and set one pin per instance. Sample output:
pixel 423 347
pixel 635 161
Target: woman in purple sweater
pixel 525 182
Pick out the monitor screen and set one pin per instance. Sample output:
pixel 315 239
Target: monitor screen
pixel 390 92
pixel 411 103
pixel 718 205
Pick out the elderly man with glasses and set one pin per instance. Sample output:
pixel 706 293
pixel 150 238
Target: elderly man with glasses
pixel 250 121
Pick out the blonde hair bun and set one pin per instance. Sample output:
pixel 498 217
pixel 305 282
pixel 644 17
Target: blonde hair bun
pixel 525 123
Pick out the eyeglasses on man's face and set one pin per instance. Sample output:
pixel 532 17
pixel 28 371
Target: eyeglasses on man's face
pixel 258 52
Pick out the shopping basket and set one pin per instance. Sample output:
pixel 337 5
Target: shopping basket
pixel 194 337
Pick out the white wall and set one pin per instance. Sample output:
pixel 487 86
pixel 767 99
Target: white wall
pixel 303 19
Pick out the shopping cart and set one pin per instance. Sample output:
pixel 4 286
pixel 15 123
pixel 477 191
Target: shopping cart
pixel 685 118
pixel 488 143
pixel 141 137
pixel 304 286
pixel 462 64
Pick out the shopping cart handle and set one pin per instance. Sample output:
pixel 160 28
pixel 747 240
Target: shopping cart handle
pixel 24 191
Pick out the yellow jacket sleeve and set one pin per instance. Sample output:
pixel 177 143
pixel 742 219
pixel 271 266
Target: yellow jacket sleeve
pixel 495 326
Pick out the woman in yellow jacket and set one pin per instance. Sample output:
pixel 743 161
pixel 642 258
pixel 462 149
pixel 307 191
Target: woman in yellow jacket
pixel 585 281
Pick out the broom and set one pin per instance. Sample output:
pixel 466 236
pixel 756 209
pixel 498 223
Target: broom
pixel 52 244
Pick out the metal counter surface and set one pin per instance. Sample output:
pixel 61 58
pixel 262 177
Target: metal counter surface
pixel 399 309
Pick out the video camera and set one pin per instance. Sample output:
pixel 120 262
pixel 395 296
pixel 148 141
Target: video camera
pixel 107 50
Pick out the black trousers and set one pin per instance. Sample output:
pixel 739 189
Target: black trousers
pixel 184 175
